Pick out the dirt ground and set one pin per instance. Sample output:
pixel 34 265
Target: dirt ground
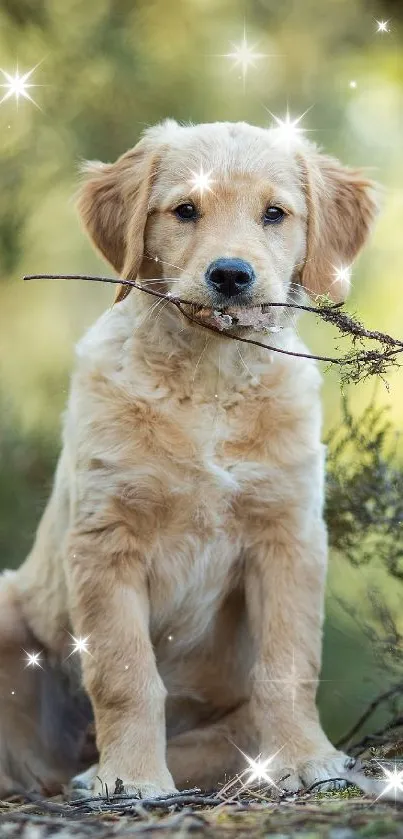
pixel 337 815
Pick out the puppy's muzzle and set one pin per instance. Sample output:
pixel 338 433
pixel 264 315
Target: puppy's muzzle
pixel 230 276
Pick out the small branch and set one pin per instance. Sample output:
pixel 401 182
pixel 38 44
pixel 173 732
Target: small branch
pixel 356 365
pixel 128 803
pixel 48 806
pixel 121 796
pixel 382 697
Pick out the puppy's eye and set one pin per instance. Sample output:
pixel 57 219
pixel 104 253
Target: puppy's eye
pixel 273 215
pixel 186 211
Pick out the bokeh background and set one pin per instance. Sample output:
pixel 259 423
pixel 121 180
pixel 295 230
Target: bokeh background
pixel 107 69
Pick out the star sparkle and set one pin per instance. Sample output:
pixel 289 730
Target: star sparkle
pixel 342 275
pixel 393 782
pixel 292 682
pixel 201 181
pixel 257 769
pixel 18 86
pixel 394 779
pixel 288 131
pixel 244 56
pixel 80 645
pixel 383 26
pixel 33 659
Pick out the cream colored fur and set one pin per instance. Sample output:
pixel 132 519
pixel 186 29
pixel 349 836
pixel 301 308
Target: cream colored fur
pixel 184 534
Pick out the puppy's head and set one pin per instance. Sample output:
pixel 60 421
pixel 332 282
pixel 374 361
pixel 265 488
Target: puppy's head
pixel 225 215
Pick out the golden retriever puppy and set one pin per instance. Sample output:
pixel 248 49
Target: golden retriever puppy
pixel 183 548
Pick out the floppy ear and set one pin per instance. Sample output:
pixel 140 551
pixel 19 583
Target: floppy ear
pixel 341 209
pixel 113 204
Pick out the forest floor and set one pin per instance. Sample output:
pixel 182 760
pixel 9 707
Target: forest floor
pixel 236 810
pixel 344 815
pixel 341 814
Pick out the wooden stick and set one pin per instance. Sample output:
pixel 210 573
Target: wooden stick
pixel 367 362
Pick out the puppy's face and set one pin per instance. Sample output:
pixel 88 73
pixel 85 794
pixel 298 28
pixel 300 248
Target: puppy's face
pixel 226 215
pixel 228 209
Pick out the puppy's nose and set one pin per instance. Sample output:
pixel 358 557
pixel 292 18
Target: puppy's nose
pixel 230 276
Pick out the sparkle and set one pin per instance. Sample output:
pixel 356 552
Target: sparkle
pixel 33 659
pixel 342 275
pixel 17 86
pixel 393 780
pixel 80 645
pixel 201 181
pixel 383 26
pixel 170 637
pixel 353 83
pixel 292 682
pixel 258 768
pixel 288 131
pixel 244 56
pixel 13 693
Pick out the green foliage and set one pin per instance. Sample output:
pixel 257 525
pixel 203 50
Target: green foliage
pixel 364 507
pixel 364 511
pixel 26 466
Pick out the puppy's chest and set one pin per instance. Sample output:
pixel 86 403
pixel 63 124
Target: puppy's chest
pixel 235 430
pixel 209 454
pixel 204 479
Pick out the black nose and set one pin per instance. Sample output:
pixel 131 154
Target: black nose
pixel 230 276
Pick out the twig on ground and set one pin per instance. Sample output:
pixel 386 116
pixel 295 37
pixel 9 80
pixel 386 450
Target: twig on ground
pixel 127 803
pixel 50 807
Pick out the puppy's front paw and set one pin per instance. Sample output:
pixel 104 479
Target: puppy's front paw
pixel 82 785
pixel 96 781
pixel 139 788
pixel 326 770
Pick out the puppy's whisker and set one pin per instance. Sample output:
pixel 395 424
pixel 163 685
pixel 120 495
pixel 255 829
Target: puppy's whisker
pixel 161 310
pixel 159 280
pixel 217 391
pixel 200 357
pixel 150 311
pixel 249 371
pixel 158 259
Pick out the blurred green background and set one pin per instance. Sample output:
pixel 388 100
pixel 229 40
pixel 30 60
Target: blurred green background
pixel 108 68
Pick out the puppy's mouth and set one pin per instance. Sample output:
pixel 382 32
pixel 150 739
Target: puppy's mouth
pixel 259 317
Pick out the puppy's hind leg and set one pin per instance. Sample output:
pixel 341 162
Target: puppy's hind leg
pixel 40 736
pixel 211 755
